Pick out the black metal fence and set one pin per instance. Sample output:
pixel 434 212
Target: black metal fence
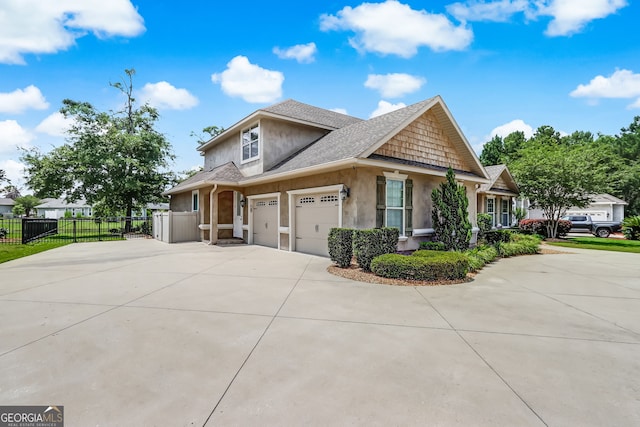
pixel 19 231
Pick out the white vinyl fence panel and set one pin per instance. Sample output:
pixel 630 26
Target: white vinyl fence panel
pixel 176 227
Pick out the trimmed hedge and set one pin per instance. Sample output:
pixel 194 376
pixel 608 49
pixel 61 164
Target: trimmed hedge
pixel 432 246
pixel 539 226
pixel 422 265
pixel 341 246
pixel 485 223
pixel 370 243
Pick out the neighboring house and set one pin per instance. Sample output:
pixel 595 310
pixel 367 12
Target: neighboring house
pixel 286 174
pixel 6 205
pixel 56 208
pixel 498 196
pixel 604 207
pixel 151 209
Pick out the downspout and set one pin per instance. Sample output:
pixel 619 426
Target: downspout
pixel 212 229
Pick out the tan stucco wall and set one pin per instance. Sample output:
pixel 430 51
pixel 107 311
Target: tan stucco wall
pixel 228 150
pixel 282 139
pixel 180 202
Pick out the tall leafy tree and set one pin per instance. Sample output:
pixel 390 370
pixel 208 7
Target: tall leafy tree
pixel 493 152
pixel 117 160
pixel 556 177
pixel 25 204
pixel 450 214
pixel 627 147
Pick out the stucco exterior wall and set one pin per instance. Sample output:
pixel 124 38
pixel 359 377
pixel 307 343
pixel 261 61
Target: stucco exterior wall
pixel 225 151
pixel 180 202
pixel 282 139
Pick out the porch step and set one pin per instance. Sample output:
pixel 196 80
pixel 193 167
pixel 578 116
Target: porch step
pixel 233 241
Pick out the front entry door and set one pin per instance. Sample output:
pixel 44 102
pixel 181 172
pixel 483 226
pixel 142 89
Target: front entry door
pixel 237 214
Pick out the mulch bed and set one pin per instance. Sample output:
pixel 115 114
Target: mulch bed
pixel 355 273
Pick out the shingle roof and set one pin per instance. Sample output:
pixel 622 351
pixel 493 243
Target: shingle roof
pixel 308 113
pixel 494 173
pixel 350 141
pixel 5 201
pixel 608 198
pixel 61 204
pixel 227 173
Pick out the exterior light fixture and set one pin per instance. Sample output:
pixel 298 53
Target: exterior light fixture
pixel 242 202
pixel 344 193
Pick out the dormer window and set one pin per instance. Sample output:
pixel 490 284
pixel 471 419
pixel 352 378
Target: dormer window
pixel 251 143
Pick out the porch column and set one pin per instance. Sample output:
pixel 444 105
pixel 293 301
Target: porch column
pixel 213 216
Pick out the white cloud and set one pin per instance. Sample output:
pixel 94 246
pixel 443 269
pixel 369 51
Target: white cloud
pixel 495 11
pixel 394 85
pixel 303 53
pixel 14 171
pixel 567 16
pixel 34 26
pixel 22 99
pixel 12 136
pixel 165 96
pixel 55 124
pixel 571 16
pixel 339 110
pixel 512 126
pixel 394 28
pixel 620 84
pixel 249 81
pixel 385 107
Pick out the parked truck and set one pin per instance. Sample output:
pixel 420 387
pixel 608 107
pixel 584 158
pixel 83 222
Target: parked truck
pixel 585 224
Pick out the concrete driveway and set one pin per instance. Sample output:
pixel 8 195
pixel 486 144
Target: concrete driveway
pixel 143 333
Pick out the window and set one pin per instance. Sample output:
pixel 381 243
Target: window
pixel 194 201
pixel 395 205
pixel 491 210
pixel 505 214
pixel 251 143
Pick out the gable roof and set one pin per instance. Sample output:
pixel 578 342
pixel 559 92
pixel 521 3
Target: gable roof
pixel 359 140
pixel 608 198
pixel 495 172
pixel 5 201
pixel 50 203
pixel 223 174
pixel 292 111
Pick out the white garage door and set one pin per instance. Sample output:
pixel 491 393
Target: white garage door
pixel 265 222
pixel 316 214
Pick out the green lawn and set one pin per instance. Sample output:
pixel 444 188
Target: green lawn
pixel 618 245
pixel 10 252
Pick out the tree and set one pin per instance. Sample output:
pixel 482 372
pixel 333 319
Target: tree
pixel 116 161
pixel 212 131
pixel 450 214
pixel 25 204
pixel 11 192
pixel 627 147
pixel 556 177
pixel 492 152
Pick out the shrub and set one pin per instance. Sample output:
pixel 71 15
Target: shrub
pixel 519 245
pixel 432 246
pixel 496 236
pixel 485 222
pixel 631 228
pixel 422 265
pixel 3 233
pixel 370 243
pixel 145 228
pixel 341 246
pixel 539 226
pixel 450 214
pixel 481 256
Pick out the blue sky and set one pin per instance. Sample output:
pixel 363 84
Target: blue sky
pixel 499 65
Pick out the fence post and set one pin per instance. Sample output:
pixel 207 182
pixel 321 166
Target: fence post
pixel 74 231
pixel 99 221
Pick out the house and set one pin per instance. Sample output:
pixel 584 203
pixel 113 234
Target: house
pixel 56 208
pixel 498 197
pixel 6 205
pixel 603 207
pixel 286 174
